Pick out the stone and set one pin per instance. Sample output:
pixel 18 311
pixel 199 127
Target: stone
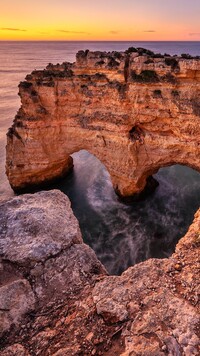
pixel 65 274
pixel 16 299
pixel 134 111
pixel 43 257
pixel 66 304
pixel 15 350
pixel 37 227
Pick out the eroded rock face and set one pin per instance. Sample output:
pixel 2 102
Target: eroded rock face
pixel 42 255
pixel 62 303
pixel 134 111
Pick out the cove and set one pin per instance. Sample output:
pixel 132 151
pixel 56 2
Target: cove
pixel 122 235
pixel 135 111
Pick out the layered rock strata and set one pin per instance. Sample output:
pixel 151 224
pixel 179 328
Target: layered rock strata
pixel 56 298
pixel 133 110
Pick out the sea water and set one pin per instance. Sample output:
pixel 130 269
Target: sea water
pixel 120 234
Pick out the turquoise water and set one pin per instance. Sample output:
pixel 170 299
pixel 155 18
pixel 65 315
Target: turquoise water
pixel 121 235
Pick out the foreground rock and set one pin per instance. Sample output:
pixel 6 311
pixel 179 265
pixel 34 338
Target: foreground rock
pixel 43 257
pixel 134 110
pixel 56 299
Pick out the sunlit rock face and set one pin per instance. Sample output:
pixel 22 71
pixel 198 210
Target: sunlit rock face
pixel 133 110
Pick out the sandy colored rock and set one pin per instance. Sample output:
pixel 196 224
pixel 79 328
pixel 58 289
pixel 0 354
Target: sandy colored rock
pixel 134 111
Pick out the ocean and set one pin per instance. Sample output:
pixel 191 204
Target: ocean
pixel 121 235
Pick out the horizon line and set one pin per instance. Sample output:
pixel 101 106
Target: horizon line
pixel 99 40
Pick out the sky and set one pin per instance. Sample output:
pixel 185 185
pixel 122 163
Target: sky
pixel 88 20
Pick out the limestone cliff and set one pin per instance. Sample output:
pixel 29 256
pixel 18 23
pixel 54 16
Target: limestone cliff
pixel 133 110
pixel 56 299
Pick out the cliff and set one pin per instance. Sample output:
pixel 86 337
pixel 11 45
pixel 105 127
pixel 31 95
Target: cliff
pixel 133 110
pixel 56 298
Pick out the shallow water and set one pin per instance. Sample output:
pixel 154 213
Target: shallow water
pixel 121 235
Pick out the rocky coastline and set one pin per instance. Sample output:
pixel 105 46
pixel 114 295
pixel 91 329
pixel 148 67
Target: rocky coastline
pixel 135 111
pixel 57 299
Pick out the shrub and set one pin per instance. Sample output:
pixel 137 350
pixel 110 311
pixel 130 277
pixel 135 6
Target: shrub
pixel 146 76
pixel 117 55
pixel 149 61
pixel 131 50
pixel 142 51
pixel 113 63
pixel 172 62
pixel 25 85
pixel 186 56
pixel 99 63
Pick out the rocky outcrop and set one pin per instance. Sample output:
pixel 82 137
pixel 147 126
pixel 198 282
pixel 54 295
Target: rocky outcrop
pixel 42 255
pixel 135 111
pixel 56 299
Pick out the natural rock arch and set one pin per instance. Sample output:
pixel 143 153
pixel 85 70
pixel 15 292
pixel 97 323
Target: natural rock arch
pixel 135 111
pixel 147 228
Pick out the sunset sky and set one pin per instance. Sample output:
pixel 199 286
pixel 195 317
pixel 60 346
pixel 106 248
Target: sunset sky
pixel 148 20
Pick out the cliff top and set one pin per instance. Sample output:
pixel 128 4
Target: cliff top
pixel 128 65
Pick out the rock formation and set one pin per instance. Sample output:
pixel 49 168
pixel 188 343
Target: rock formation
pixel 133 110
pixel 56 298
pixel 43 254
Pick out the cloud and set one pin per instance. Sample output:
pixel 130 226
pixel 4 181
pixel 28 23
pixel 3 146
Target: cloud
pixel 74 32
pixel 194 34
pixel 150 31
pixel 114 32
pixel 12 29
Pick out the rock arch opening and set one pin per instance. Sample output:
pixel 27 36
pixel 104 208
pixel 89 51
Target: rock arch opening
pixel 123 235
pixel 125 108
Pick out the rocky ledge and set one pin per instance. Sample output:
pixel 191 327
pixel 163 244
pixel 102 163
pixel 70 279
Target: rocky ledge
pixel 57 299
pixel 136 111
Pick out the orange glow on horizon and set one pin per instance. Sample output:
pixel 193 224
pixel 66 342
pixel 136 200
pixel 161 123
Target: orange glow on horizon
pixel 62 20
pixel 91 34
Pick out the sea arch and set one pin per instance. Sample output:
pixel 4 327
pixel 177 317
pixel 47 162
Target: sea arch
pixel 146 228
pixel 134 111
